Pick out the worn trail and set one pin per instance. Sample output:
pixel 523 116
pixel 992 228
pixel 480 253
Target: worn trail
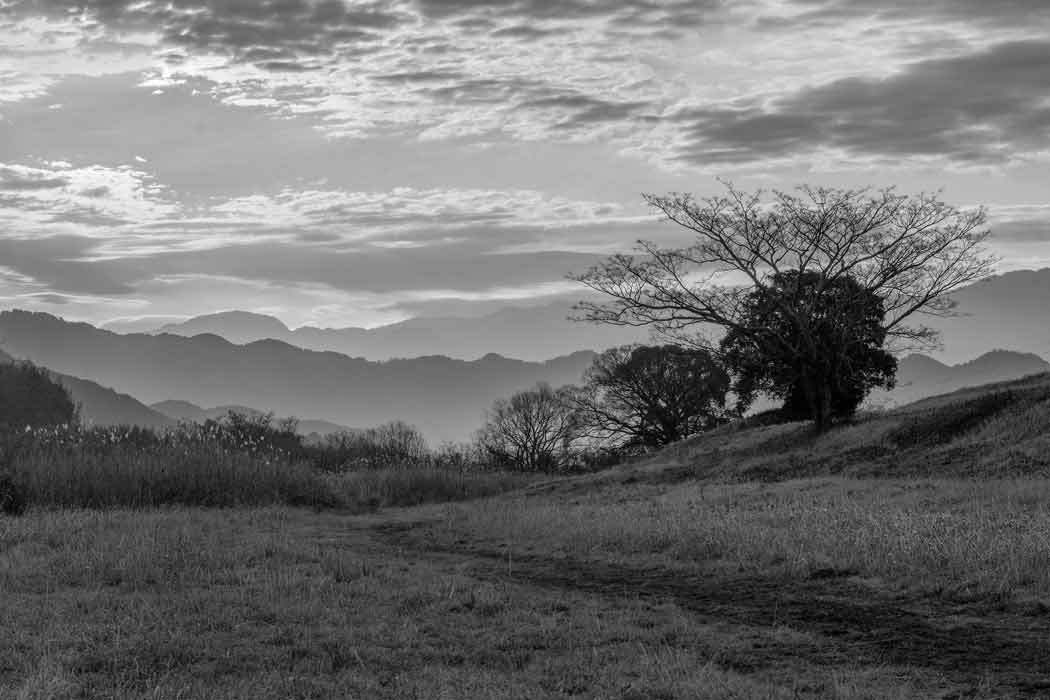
pixel 1008 651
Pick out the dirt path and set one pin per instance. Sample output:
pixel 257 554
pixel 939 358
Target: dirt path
pixel 1009 652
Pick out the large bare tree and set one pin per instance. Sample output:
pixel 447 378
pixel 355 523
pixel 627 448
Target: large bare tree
pixel 911 251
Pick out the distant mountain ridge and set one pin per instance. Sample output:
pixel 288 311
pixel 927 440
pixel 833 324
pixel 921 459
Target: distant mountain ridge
pixel 1010 310
pixel 534 334
pixel 919 376
pixel 444 397
pixel 1007 310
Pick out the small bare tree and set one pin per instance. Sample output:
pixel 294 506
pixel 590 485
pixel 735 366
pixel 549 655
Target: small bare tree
pixel 911 252
pixel 533 430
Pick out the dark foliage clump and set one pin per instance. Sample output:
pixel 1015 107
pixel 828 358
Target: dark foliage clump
pixel 816 343
pixel 29 397
pixel 12 500
pixel 646 397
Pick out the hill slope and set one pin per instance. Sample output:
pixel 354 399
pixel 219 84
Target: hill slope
pixel 102 406
pixel 444 397
pixel 1000 429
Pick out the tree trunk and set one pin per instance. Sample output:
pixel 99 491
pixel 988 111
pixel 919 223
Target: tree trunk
pixel 817 390
pixel 822 408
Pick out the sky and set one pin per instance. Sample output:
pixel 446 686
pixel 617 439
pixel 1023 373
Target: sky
pixel 355 163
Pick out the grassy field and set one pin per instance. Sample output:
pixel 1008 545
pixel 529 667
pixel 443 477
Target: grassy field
pixel 759 563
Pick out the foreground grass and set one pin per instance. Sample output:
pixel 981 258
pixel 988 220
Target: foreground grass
pixel 960 539
pixel 277 603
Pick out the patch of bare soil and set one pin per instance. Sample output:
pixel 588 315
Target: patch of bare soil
pixel 968 645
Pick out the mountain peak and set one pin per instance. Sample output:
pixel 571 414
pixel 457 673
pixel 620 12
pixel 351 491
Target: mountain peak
pixel 236 326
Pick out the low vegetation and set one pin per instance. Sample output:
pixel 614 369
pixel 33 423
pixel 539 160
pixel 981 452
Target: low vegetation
pixel 759 562
pixel 278 603
pixel 49 460
pixel 965 540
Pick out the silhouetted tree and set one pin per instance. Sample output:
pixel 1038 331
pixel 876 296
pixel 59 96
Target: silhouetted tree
pixel 650 396
pixel 817 345
pixel 30 397
pixel 533 430
pixel 391 445
pixel 909 251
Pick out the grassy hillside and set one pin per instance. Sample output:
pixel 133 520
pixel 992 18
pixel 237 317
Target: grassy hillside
pixel 998 429
pixel 905 557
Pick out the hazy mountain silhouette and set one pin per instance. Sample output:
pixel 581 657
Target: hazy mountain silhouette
pixel 535 334
pixel 1008 310
pixel 186 411
pixel 236 326
pixel 1011 310
pixel 919 376
pixel 101 406
pixel 444 397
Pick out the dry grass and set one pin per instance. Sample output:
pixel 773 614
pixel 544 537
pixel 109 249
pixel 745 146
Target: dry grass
pixel 276 604
pixel 206 473
pixel 197 475
pixel 272 602
pixel 962 539
pixel 1002 430
pixel 381 488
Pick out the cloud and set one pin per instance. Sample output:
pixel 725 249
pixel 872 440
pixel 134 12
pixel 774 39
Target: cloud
pixel 437 69
pixel 22 179
pixel 366 214
pixel 987 107
pixel 768 79
pixel 52 264
pixel 1011 13
pixel 1020 223
pixel 56 197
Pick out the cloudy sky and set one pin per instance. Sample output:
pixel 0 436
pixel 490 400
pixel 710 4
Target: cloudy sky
pixel 345 162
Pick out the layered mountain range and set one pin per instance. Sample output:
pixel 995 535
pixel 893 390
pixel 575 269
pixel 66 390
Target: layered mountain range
pixel 179 369
pixel 444 397
pixel 533 334
pixel 1006 311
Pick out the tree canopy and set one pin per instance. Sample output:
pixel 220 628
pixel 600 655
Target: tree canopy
pixel 650 396
pixel 823 362
pixel 797 261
